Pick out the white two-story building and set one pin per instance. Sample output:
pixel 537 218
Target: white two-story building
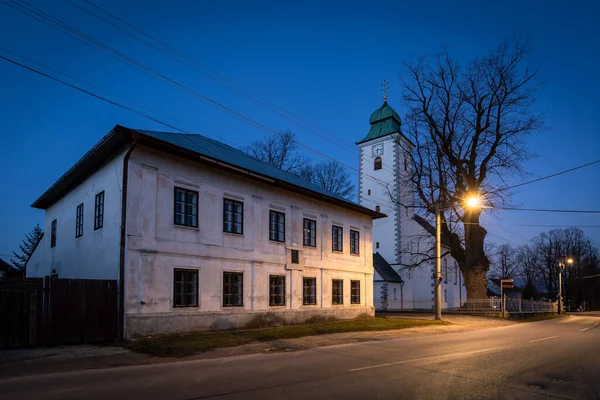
pixel 200 235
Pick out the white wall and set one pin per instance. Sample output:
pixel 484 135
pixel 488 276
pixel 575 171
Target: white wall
pixel 95 254
pixel 156 246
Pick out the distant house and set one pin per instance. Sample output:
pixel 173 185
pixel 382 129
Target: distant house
pixel 493 290
pixel 199 235
pixel 4 269
pixel 387 285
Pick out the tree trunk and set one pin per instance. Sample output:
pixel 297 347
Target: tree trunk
pixel 476 264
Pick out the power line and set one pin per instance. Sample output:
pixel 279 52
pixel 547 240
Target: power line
pixel 62 26
pixel 548 210
pixel 219 77
pixel 559 226
pixel 547 177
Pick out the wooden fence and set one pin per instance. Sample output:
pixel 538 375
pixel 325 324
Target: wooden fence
pixel 57 311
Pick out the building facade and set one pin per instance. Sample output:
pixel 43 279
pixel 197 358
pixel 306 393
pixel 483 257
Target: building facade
pixel 405 240
pixel 211 237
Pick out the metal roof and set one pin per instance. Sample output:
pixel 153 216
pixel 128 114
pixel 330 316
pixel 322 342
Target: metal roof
pixel 384 269
pixel 198 148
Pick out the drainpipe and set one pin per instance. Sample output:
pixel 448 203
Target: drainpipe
pixel 121 332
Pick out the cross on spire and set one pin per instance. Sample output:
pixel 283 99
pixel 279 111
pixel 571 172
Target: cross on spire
pixel 384 87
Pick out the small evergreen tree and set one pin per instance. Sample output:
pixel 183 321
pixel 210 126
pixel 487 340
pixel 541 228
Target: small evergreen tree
pixel 26 248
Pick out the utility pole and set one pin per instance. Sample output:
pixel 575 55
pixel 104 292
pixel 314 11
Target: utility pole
pixel 438 263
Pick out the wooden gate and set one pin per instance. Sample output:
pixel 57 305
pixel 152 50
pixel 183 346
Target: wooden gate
pixel 57 311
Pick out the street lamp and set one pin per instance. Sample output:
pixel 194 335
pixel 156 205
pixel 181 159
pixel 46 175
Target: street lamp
pixel 471 202
pixel 561 266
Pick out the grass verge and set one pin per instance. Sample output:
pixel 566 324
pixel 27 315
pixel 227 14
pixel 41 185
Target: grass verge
pixel 540 318
pixel 181 345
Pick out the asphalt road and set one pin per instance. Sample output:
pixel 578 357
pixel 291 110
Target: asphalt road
pixel 549 359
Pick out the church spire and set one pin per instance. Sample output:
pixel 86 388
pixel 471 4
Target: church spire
pixel 384 87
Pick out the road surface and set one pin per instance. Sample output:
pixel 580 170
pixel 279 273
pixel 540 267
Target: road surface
pixel 557 358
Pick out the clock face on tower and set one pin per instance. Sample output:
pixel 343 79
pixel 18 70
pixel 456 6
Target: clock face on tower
pixel 377 149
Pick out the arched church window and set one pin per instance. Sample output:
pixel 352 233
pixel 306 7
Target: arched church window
pixel 445 271
pixel 369 192
pixel 377 208
pixel 377 245
pixel 405 164
pixel 455 273
pixel 378 163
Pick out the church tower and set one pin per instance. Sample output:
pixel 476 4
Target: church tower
pixel 384 181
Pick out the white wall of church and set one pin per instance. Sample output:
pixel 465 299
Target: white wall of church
pixel 156 246
pixel 95 254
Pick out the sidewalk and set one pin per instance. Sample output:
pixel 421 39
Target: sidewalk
pixel 20 362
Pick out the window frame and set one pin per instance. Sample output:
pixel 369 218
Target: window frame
pixel 231 294
pixel 79 221
pixel 355 242
pixel 99 211
pixel 53 227
pixel 353 299
pixel 233 213
pixel 274 234
pixel 377 163
pixel 311 234
pixel 185 206
pixel 311 299
pixel 186 281
pixel 456 272
pixel 334 296
pixel 274 295
pixel 340 235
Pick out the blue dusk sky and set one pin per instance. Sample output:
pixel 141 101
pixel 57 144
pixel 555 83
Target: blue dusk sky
pixel 323 61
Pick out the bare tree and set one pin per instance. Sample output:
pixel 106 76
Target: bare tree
pixel 331 176
pixel 279 150
pixel 467 125
pixel 527 262
pixel 503 263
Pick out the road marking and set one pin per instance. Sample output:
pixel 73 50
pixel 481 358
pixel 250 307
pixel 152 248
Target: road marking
pixel 436 357
pixel 540 340
pixel 591 327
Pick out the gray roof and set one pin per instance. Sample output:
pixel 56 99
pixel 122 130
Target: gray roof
pixel 431 229
pixel 385 270
pixel 197 148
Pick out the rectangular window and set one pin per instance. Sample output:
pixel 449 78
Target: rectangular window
pixel 337 291
pixel 337 237
pixel 277 290
pixel 233 289
pixel 309 292
pixel 354 242
pixel 445 271
pixel 295 257
pixel 233 216
pixel 355 292
pixel 276 226
pixel 53 234
pixel 310 232
pixel 99 211
pixel 79 221
pixel 186 207
pixel 185 288
pixel 445 295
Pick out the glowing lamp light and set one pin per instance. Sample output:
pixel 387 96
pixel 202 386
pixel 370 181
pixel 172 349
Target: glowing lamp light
pixel 569 261
pixel 472 202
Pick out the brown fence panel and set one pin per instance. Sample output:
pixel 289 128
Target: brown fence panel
pixel 82 311
pixel 21 303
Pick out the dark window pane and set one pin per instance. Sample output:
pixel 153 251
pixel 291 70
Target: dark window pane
pixel 186 207
pixel 185 288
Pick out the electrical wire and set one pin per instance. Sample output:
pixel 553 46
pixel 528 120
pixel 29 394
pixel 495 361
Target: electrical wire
pixel 197 95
